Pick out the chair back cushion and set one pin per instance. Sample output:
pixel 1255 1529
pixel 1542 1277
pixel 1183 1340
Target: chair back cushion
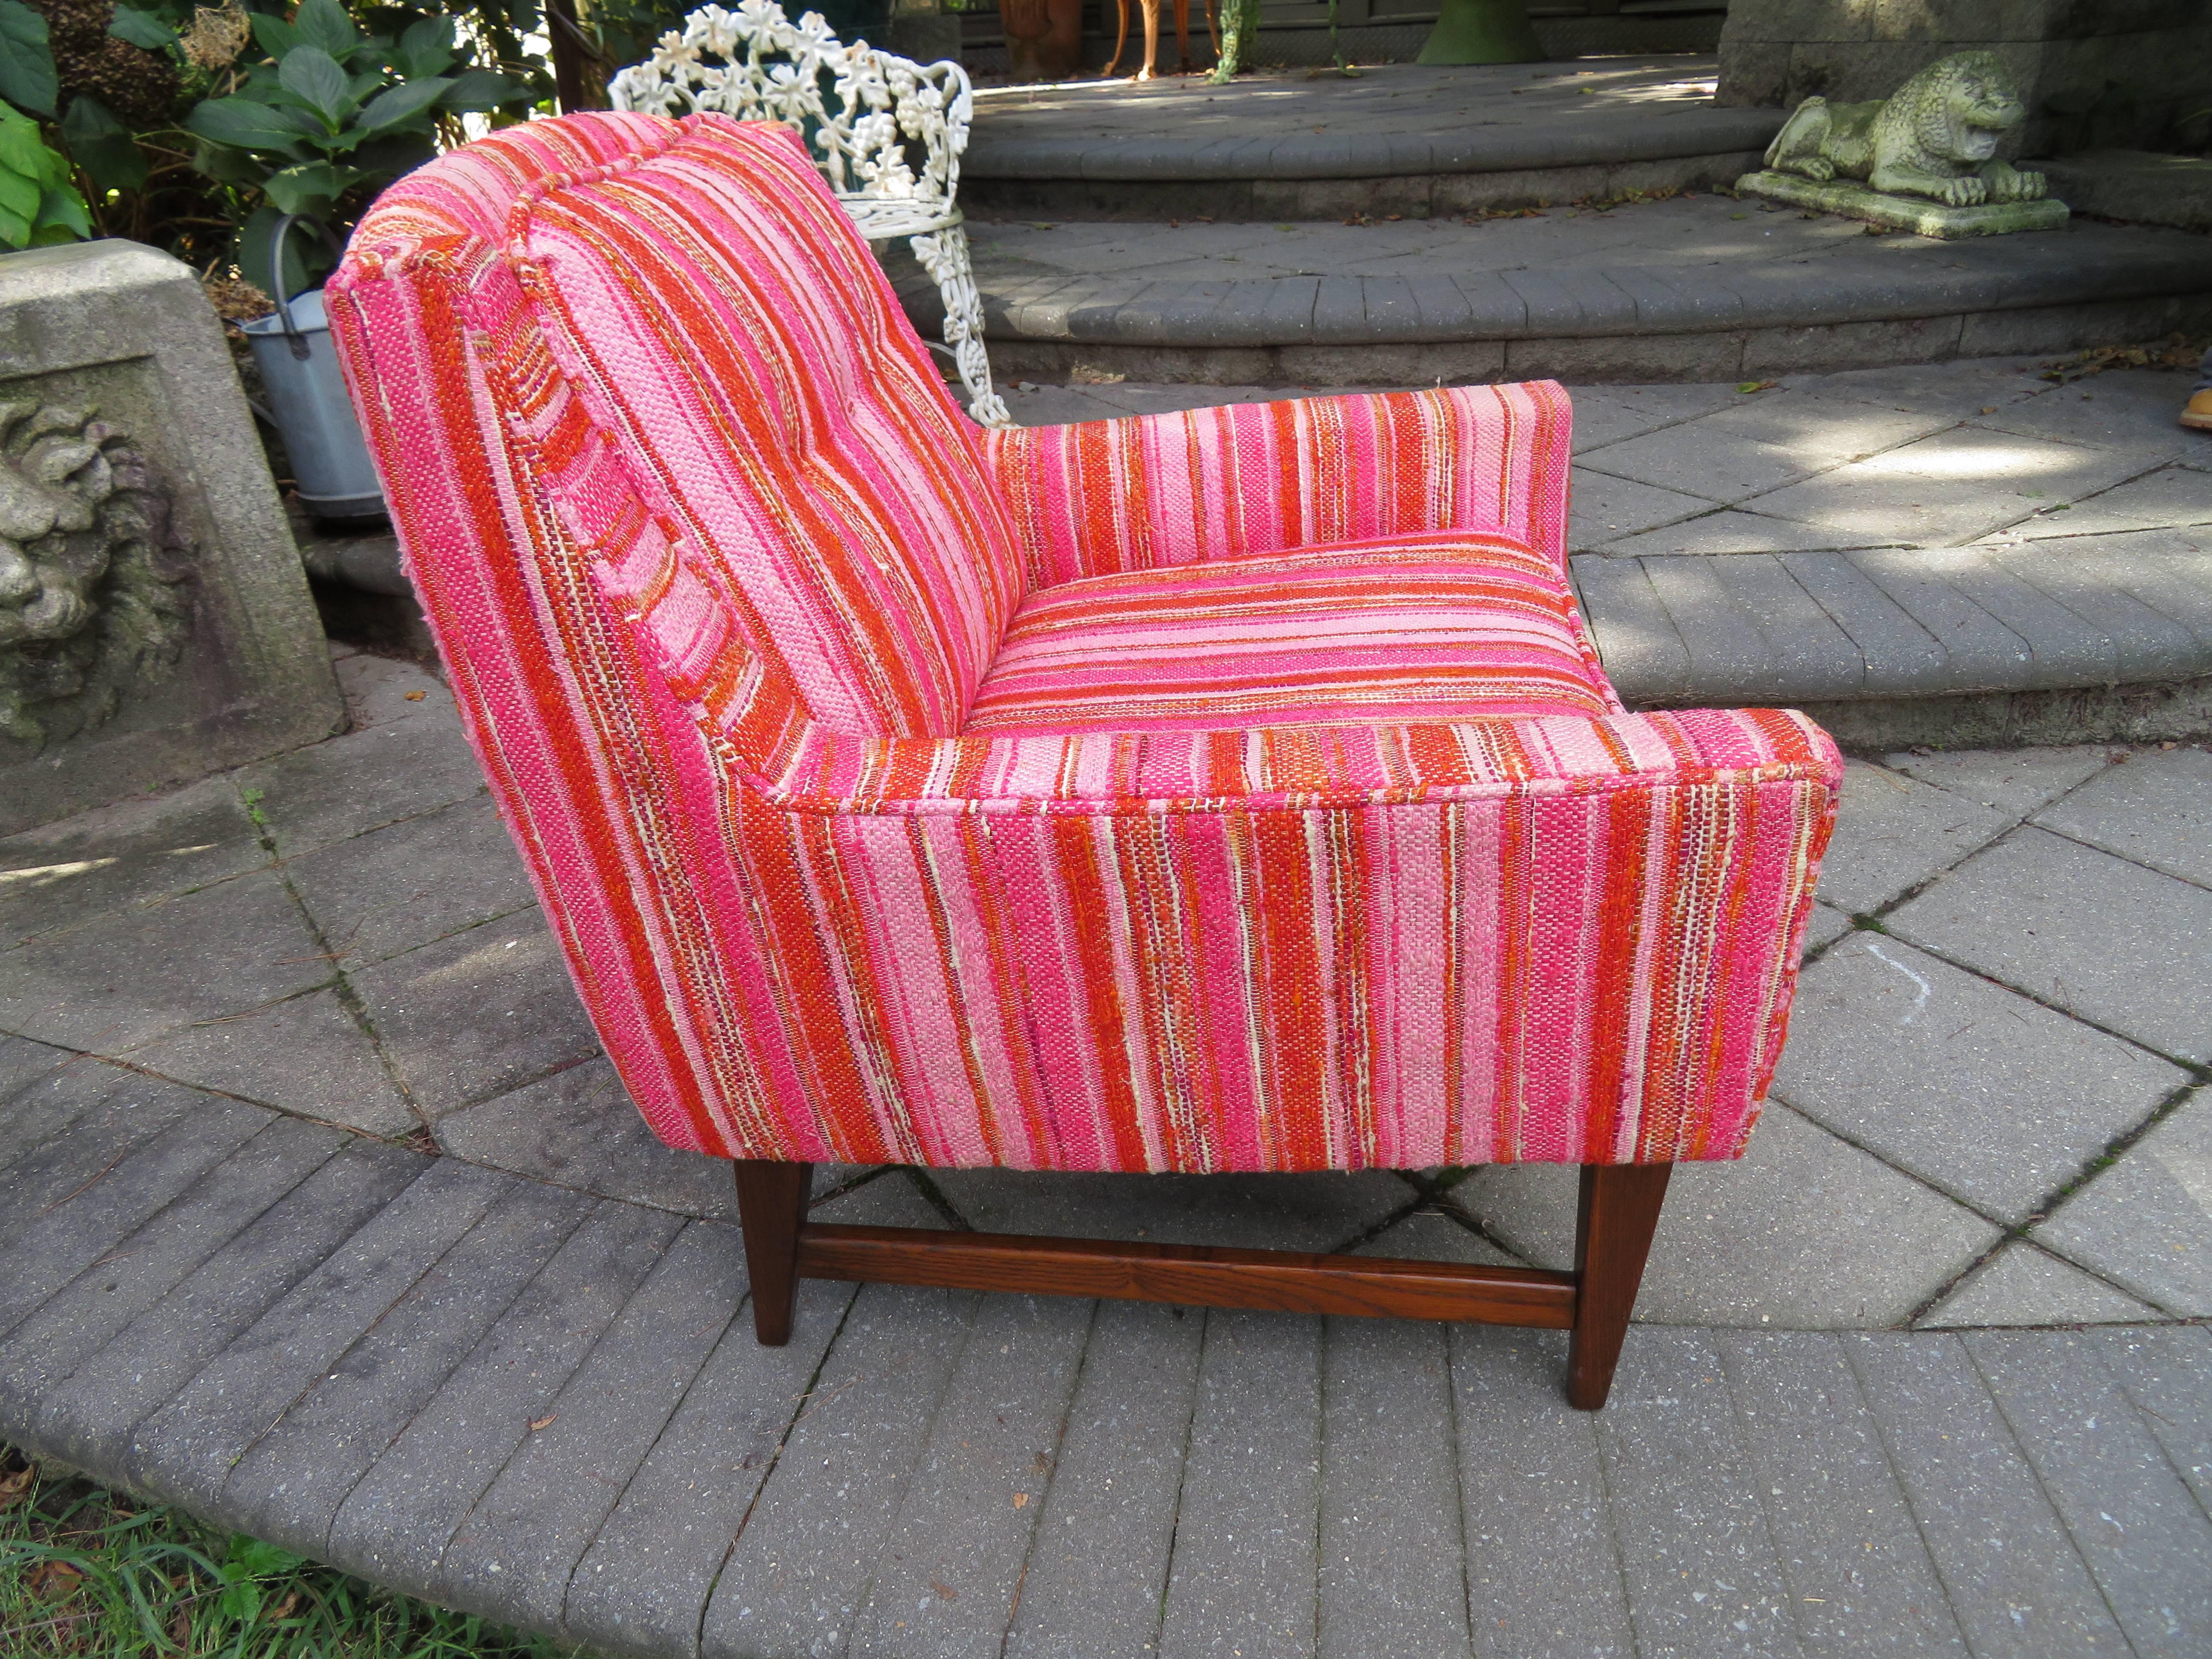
pixel 714 396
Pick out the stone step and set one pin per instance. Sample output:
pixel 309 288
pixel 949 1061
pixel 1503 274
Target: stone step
pixel 1397 139
pixel 1700 287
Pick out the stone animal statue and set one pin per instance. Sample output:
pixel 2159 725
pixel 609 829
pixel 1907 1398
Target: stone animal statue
pixel 1936 136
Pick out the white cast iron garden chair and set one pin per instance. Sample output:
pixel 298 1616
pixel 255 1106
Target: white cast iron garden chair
pixel 888 108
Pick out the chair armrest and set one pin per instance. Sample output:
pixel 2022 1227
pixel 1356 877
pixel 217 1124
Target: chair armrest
pixel 1560 939
pixel 1102 497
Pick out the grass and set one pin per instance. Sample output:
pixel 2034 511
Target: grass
pixel 90 1574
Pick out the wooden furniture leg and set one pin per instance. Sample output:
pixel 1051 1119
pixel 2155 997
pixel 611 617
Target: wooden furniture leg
pixel 1152 39
pixel 1121 40
pixel 1620 1207
pixel 1614 1223
pixel 771 1209
pixel 1182 37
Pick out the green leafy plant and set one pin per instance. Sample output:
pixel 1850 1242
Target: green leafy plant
pixel 39 203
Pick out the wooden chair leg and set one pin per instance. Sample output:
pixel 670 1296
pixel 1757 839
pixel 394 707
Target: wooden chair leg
pixel 771 1206
pixel 1613 1224
pixel 1122 42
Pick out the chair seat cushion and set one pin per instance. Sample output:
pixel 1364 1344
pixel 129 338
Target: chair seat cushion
pixel 1444 627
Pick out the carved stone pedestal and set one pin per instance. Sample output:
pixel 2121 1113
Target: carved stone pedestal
pixel 155 621
pixel 1915 214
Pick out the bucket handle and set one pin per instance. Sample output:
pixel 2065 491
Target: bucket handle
pixel 293 337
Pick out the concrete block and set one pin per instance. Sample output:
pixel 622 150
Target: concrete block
pixel 2011 781
pixel 1698 1557
pixel 1762 444
pixel 1805 1232
pixel 2064 648
pixel 1731 661
pixel 2017 1587
pixel 105 1114
pixel 2154 810
pixel 1727 531
pixel 577 1128
pixel 1815 658
pixel 2080 930
pixel 360 782
pixel 643 1584
pixel 94 1308
pixel 199 647
pixel 133 975
pixel 1642 649
pixel 1827 926
pixel 134 853
pixel 1802 349
pixel 1244 1571
pixel 290 1484
pixel 1098 1569
pixel 49 1246
pixel 514 1555
pixel 184 1448
pixel 2170 495
pixel 1893 832
pixel 2138 186
pixel 1602 509
pixel 91 1422
pixel 412 882
pixel 23 1063
pixel 1543 1571
pixel 1995 1099
pixel 1436 1235
pixel 1901 657
pixel 2022 1285
pixel 2163 1372
pixel 796 1575
pixel 394 1526
pixel 1860 1580
pixel 970 1510
pixel 1629 359
pixel 2127 409
pixel 1393 1582
pixel 1982 653
pixel 477 1014
pixel 2145 644
pixel 2143 1224
pixel 2147 1544
pixel 307 1054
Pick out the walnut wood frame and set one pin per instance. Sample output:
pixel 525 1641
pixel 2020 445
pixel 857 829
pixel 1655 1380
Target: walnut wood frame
pixel 1614 1220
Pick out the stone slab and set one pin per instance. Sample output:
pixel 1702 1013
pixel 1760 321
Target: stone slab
pixel 307 1055
pixel 1826 924
pixel 1642 651
pixel 72 1131
pixel 642 1586
pixel 2156 809
pixel 802 1562
pixel 2163 1372
pixel 1913 214
pixel 2145 1540
pixel 290 1485
pixel 1243 1575
pixel 2010 781
pixel 1098 1570
pixel 413 882
pixel 514 1554
pixel 1443 1234
pixel 1392 1575
pixel 2141 186
pixel 970 1509
pixel 135 974
pixel 1996 1100
pixel 2022 1285
pixel 381 690
pixel 1859 1579
pixel 1893 832
pixel 1761 445
pixel 2146 1223
pixel 50 1246
pixel 1803 1232
pixel 394 1526
pixel 132 853
pixel 1603 508
pixel 1732 531
pixel 94 1308
pixel 359 783
pixel 185 1450
pixel 114 326
pixel 577 1128
pixel 1699 1559
pixel 23 1063
pixel 2078 928
pixel 2170 495
pixel 91 1420
pixel 477 1014
pixel 2126 411
pixel 1543 1564
pixel 2017 1585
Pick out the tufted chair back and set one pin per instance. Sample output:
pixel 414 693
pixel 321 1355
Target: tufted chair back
pixel 659 350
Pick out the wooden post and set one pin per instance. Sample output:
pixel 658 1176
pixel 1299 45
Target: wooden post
pixel 1614 1223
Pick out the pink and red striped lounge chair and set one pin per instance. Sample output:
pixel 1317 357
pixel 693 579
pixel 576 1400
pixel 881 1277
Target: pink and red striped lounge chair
pixel 1235 790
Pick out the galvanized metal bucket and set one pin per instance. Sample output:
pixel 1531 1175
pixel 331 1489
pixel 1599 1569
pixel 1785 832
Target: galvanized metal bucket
pixel 307 398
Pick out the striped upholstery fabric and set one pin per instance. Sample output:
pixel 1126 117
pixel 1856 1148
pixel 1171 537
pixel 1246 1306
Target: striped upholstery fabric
pixel 749 629
pixel 1430 628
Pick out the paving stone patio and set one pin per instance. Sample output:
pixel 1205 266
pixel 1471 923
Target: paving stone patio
pixel 324 1215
